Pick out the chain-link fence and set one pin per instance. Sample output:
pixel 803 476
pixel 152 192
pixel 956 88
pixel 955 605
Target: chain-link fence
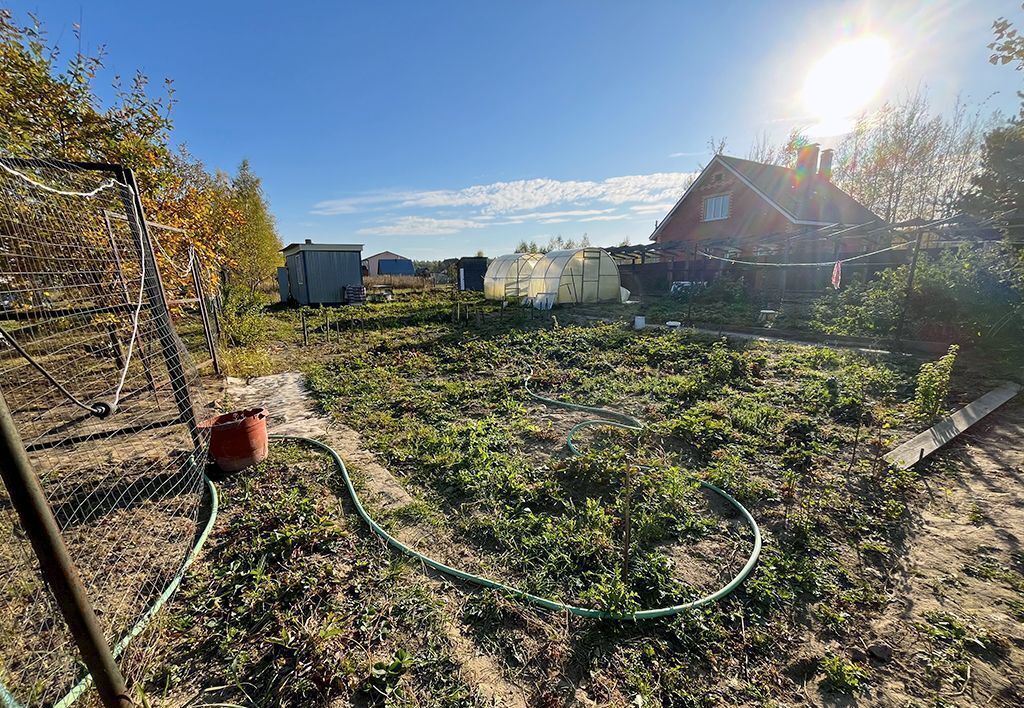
pixel 103 395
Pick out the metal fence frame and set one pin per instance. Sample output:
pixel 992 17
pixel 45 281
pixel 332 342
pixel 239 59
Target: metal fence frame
pixel 22 482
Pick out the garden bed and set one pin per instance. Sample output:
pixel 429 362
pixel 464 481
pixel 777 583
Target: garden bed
pixel 795 432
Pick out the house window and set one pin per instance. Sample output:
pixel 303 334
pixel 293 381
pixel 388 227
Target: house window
pixel 716 208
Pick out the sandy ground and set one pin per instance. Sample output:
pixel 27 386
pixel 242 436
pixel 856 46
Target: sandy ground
pixel 974 512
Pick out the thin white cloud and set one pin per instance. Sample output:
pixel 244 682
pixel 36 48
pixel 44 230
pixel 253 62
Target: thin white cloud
pixel 652 208
pixel 607 217
pixel 420 226
pixel 520 195
pixel 543 201
pixel 688 154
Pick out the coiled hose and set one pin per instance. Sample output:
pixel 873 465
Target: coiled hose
pixel 608 417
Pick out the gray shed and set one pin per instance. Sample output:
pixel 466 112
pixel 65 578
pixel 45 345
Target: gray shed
pixel 318 273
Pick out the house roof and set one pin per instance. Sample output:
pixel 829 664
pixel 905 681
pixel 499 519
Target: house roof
pixel 817 202
pixel 308 246
pixel 387 255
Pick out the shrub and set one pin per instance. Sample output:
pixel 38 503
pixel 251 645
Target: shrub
pixel 242 321
pixel 933 384
pixel 963 295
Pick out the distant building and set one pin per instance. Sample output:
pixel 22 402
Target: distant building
pixel 319 273
pixel 471 270
pixel 388 263
pixel 745 210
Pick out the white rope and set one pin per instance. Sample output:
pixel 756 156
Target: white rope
pixel 106 185
pixel 815 265
pixel 142 279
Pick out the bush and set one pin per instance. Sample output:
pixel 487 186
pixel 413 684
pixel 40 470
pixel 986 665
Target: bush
pixel 243 321
pixel 962 295
pixel 933 384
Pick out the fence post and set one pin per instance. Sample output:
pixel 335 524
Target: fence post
pixel 58 569
pixel 305 331
pixel 158 303
pixel 204 314
pixel 910 287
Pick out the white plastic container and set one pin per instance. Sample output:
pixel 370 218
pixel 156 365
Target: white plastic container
pixel 639 322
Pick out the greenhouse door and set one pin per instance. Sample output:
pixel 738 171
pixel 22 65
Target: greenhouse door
pixel 591 285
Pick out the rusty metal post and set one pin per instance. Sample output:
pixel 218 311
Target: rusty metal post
pixel 58 570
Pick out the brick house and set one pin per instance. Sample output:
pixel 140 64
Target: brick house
pixel 748 210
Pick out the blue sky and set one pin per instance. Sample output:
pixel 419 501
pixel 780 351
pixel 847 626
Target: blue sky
pixel 437 129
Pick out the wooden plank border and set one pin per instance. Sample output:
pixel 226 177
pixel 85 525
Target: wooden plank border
pixel 921 446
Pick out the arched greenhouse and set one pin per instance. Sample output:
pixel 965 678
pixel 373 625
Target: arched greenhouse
pixel 509 276
pixel 576 276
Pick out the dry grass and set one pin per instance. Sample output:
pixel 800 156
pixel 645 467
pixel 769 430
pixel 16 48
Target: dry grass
pixel 409 282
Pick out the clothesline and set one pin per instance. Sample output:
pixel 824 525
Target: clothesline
pixel 809 265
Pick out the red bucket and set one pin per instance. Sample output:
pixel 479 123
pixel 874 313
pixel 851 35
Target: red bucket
pixel 239 439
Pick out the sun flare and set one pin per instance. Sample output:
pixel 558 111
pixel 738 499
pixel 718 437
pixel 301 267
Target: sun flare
pixel 843 82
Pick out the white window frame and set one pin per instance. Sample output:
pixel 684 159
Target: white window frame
pixel 719 213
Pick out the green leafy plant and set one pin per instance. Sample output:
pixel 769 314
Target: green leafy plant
pixel 841 674
pixel 385 675
pixel 933 384
pixel 242 320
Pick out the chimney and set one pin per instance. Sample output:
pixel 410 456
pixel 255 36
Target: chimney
pixel 825 166
pixel 806 161
pixel 309 240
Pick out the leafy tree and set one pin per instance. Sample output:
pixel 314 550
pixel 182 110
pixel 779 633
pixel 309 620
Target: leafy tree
pixel 782 153
pixel 555 243
pixel 49 108
pixel 252 247
pixel 1008 45
pixel 903 161
pixel 999 185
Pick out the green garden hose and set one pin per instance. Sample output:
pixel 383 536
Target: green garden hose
pixel 140 624
pixel 612 418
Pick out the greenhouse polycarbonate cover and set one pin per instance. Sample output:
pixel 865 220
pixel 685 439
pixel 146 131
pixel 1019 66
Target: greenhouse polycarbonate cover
pixel 576 276
pixel 509 275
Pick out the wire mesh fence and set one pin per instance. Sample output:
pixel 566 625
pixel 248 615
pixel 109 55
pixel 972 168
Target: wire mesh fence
pixel 103 394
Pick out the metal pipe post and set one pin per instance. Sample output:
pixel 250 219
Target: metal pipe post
pixel 211 345
pixel 910 287
pixel 158 303
pixel 58 570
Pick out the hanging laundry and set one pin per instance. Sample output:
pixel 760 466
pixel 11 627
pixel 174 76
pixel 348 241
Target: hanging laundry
pixel 837 274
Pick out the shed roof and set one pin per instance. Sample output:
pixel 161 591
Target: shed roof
pixel 387 255
pixel 296 247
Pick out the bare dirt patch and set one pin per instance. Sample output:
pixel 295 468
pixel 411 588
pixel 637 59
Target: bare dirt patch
pixel 954 621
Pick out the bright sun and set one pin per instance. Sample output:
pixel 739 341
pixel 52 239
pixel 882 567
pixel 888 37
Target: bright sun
pixel 842 83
